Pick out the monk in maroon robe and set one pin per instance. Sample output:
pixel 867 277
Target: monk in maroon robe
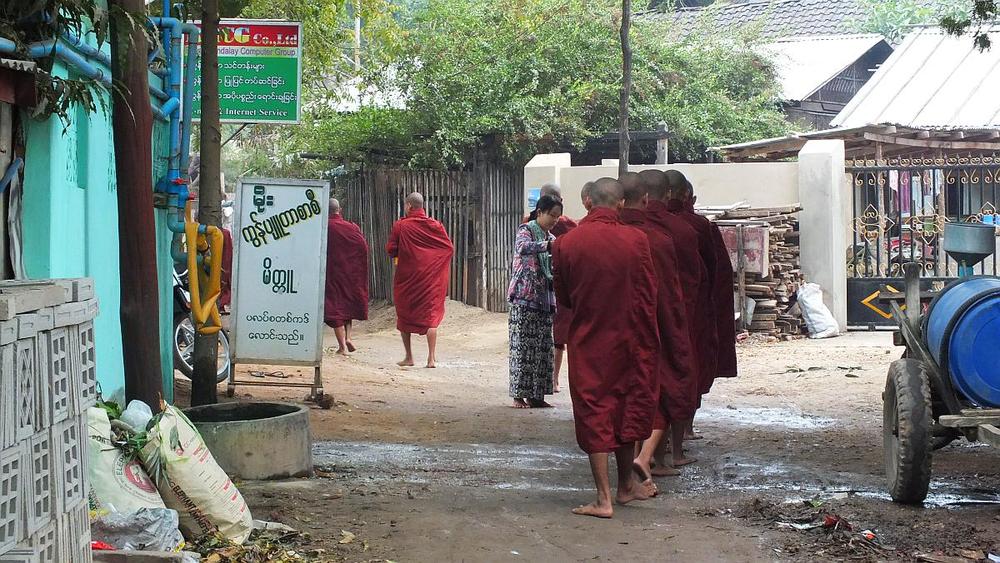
pixel 603 269
pixel 422 251
pixel 720 361
pixel 697 299
pixel 560 322
pixel 675 376
pixel 346 296
pixel 226 281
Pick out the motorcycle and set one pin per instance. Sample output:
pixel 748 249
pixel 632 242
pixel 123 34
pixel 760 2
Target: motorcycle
pixel 184 333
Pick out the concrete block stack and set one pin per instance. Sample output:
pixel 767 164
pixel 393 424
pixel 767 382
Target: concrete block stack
pixel 49 379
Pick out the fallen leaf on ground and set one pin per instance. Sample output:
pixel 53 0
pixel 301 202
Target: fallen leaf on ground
pixel 346 537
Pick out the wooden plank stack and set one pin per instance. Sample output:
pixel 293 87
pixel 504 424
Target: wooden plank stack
pixel 776 313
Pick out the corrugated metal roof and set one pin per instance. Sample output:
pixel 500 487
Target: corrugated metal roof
pixel 933 80
pixel 806 64
pixel 778 18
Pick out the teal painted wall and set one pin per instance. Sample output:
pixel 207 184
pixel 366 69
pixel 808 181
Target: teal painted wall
pixel 70 219
pixel 70 223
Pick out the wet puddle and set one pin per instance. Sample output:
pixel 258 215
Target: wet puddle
pixel 764 417
pixel 550 468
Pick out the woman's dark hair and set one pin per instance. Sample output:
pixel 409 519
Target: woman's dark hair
pixel 545 204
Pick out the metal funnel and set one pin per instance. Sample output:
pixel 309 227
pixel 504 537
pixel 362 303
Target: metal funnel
pixel 969 243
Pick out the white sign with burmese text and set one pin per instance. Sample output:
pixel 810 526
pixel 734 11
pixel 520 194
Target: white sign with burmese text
pixel 279 271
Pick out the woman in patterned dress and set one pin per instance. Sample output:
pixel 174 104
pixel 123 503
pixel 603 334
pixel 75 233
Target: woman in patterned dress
pixel 532 305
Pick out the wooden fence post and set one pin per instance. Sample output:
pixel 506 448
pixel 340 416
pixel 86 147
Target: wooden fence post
pixel 478 223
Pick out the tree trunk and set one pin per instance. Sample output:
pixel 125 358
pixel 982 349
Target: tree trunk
pixel 132 124
pixel 205 357
pixel 623 136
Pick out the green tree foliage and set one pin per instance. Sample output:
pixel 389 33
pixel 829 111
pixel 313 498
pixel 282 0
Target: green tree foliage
pixel 975 19
pixel 28 21
pixel 893 18
pixel 539 75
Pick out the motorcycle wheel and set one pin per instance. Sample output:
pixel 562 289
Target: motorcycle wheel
pixel 184 348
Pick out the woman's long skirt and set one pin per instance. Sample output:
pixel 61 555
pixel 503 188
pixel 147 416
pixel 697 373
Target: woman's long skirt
pixel 530 353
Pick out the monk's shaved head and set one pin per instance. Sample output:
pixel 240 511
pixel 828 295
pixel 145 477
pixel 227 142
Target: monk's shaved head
pixel 607 192
pixel 334 206
pixel 633 187
pixel 552 190
pixel 415 200
pixel 678 186
pixel 656 184
pixel 586 190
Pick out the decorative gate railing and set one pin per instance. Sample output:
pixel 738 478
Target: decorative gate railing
pixel 900 208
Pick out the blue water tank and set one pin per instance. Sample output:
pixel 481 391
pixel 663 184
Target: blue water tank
pixel 963 334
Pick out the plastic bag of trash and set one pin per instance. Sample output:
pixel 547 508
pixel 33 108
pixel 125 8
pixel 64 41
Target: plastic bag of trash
pixel 137 415
pixel 191 481
pixel 146 529
pixel 819 319
pixel 117 480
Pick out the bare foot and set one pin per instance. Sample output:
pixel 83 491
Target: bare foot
pixel 642 469
pixel 430 365
pixel 664 471
pixel 351 347
pixel 646 476
pixel 538 404
pixel 682 461
pixel 343 352
pixel 519 404
pixel 595 510
pixel 637 491
pixel 555 388
pixel 692 436
pixel 405 364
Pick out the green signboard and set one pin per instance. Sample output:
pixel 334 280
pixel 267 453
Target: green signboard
pixel 260 72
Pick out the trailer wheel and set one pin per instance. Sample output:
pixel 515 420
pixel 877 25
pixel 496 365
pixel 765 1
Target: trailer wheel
pixel 906 431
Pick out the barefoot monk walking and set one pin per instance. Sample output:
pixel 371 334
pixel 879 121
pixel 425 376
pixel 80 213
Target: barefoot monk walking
pixel 346 298
pixel 603 269
pixel 422 252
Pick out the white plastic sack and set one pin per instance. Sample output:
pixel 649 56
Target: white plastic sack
pixel 117 481
pixel 192 483
pixel 819 319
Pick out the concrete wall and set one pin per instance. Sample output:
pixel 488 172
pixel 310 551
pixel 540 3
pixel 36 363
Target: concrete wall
pixel 761 184
pixel 817 181
pixel 70 223
pixel 826 206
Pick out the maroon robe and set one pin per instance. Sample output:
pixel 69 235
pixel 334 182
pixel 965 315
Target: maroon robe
pixel 563 316
pixel 720 274
pixel 694 286
pixel 676 374
pixel 423 254
pixel 226 281
pixel 604 271
pixel 346 296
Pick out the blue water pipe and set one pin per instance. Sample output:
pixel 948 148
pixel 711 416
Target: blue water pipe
pixel 175 184
pixel 77 53
pixel 8 176
pixel 66 53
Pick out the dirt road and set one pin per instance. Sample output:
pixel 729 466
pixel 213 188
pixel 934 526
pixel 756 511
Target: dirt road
pixel 432 465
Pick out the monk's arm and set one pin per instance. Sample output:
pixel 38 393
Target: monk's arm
pixel 392 247
pixel 559 273
pixel 526 244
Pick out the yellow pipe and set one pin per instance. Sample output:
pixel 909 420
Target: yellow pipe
pixel 201 310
